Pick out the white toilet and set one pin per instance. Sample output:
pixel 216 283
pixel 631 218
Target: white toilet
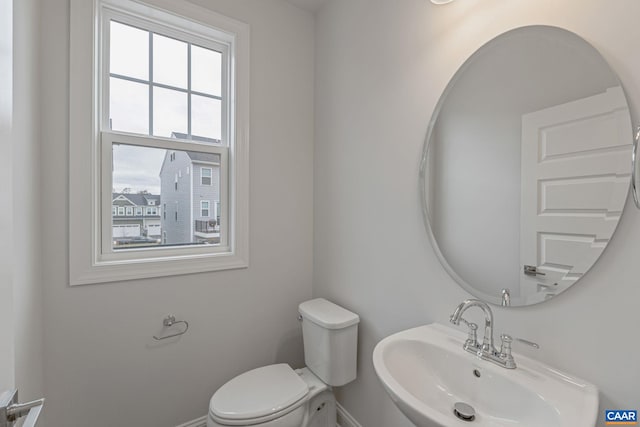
pixel 279 396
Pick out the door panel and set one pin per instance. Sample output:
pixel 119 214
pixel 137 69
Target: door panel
pixel 575 179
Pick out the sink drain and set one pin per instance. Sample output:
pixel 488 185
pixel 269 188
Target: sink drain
pixel 464 412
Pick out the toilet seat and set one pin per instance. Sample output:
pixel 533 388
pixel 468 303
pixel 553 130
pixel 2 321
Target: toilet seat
pixel 258 396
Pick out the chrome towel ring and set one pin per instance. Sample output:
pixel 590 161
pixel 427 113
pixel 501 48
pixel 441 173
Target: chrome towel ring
pixel 170 321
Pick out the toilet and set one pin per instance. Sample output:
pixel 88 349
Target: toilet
pixel 279 396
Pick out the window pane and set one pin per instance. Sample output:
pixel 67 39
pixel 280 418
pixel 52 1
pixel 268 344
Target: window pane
pixel 129 51
pixel 206 71
pixel 169 61
pixel 128 106
pixel 169 112
pixel 136 185
pixel 206 117
pixel 144 179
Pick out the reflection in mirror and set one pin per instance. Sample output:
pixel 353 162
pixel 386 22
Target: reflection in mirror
pixel 526 165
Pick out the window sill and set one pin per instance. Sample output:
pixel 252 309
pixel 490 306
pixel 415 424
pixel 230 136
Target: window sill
pixel 116 271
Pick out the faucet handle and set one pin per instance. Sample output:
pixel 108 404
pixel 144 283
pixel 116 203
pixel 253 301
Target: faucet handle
pixel 472 338
pixel 505 351
pixel 507 340
pixel 505 348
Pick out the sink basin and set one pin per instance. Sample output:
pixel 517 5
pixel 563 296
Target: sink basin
pixel 426 372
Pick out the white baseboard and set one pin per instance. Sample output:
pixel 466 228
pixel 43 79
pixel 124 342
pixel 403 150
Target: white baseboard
pixel 344 418
pixel 199 422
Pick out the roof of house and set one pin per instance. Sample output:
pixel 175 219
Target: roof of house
pixel 194 156
pixel 181 135
pixel 138 199
pixel 203 157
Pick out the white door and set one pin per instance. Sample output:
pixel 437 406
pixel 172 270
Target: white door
pixel 6 296
pixel 575 179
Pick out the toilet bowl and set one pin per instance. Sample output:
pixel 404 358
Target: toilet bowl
pixel 279 396
pixel 273 396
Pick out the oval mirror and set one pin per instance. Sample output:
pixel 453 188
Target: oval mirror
pixel 526 166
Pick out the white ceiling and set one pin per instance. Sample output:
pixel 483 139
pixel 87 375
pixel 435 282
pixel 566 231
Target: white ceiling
pixel 310 5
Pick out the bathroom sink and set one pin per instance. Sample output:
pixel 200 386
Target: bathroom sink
pixel 426 372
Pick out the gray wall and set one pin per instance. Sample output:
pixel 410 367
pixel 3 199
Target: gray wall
pixel 381 67
pixel 26 256
pixel 100 359
pixel 7 351
pixel 21 363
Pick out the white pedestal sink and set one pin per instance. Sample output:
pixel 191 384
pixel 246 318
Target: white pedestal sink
pixel 426 372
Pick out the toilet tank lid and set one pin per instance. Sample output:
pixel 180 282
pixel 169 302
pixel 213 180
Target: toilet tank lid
pixel 327 314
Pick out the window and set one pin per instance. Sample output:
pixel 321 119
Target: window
pixel 204 208
pixel 138 211
pixel 170 83
pixel 114 210
pixel 205 176
pixel 129 211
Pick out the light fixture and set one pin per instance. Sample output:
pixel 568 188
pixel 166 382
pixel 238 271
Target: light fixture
pixel 441 1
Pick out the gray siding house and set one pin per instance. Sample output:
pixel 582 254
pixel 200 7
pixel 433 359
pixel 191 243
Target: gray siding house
pixel 190 193
pixel 135 215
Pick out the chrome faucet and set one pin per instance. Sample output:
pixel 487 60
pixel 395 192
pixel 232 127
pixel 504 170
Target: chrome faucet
pixel 487 350
pixel 506 297
pixel 487 340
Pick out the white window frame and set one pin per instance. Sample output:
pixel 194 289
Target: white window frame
pixel 202 177
pixel 202 208
pixel 92 259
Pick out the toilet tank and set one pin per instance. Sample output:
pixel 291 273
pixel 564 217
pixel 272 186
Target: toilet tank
pixel 330 335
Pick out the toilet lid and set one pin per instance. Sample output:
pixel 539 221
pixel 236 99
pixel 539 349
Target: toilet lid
pixel 258 393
